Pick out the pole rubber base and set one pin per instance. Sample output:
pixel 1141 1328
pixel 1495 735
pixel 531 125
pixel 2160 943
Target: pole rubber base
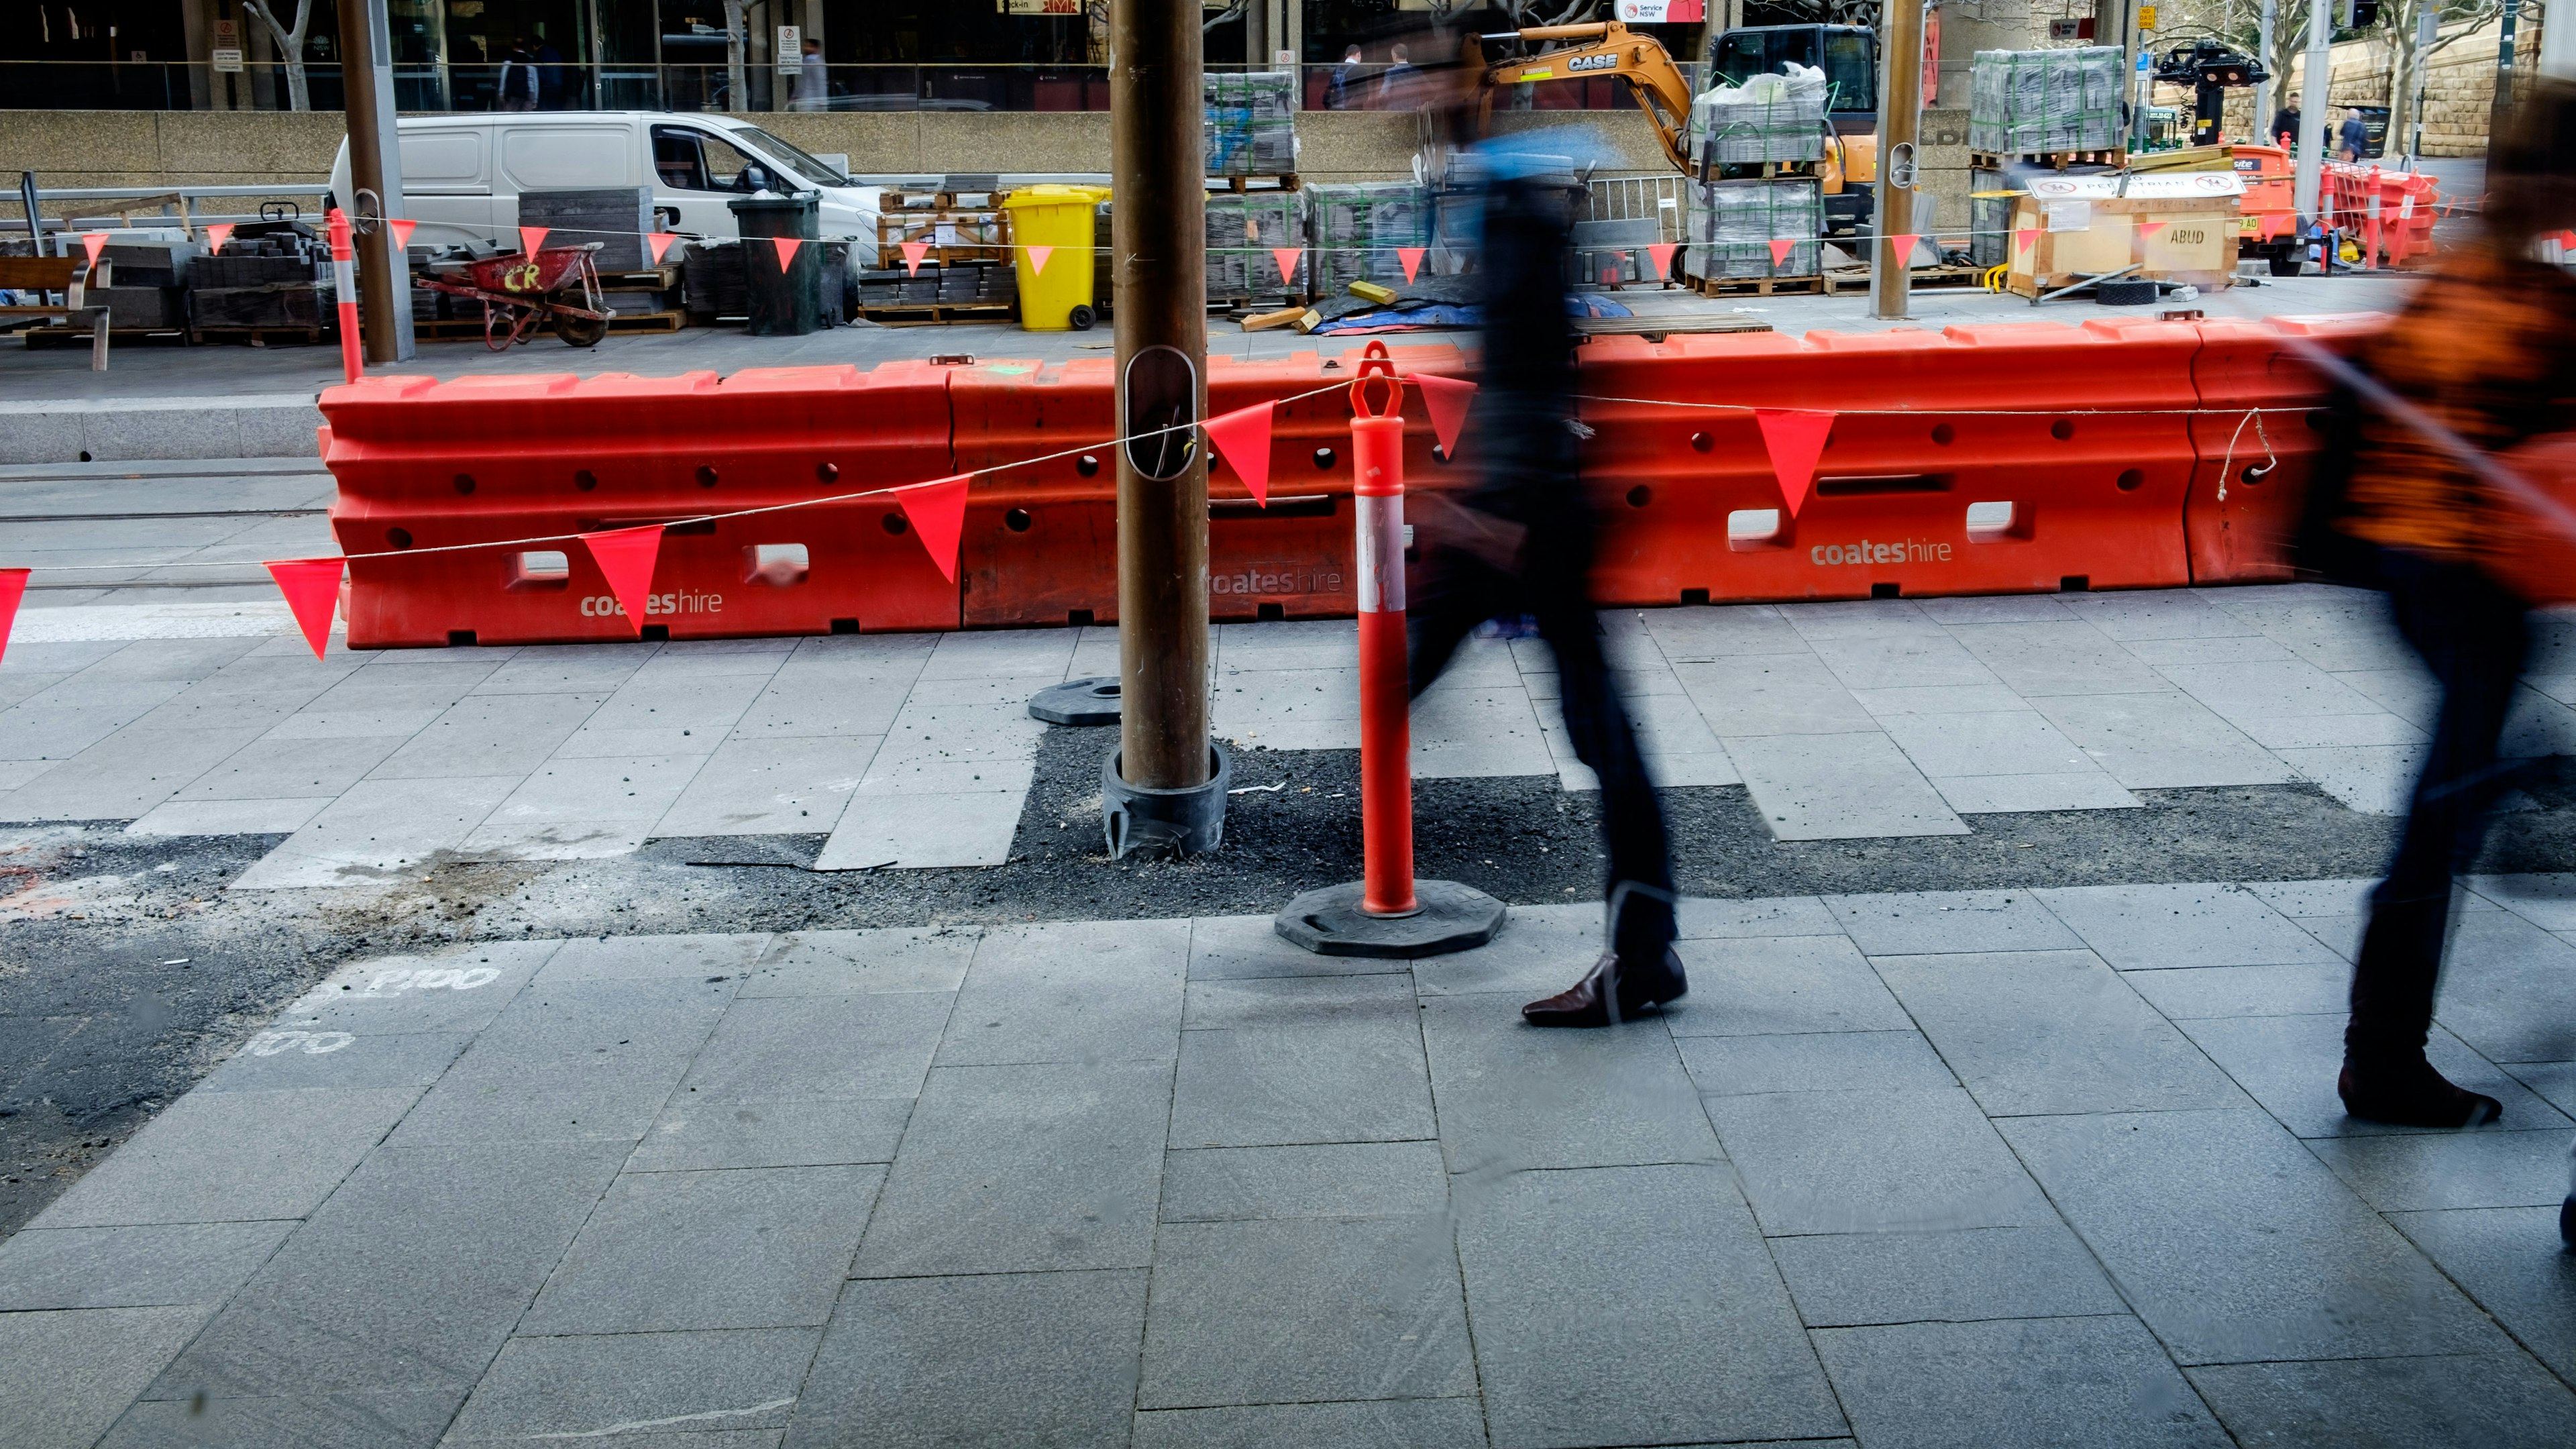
pixel 1085 702
pixel 1186 821
pixel 1453 917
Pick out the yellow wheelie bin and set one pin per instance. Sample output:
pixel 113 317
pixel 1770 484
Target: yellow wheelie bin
pixel 1055 296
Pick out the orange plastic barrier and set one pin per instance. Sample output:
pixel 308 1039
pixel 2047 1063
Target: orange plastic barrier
pixel 2390 213
pixel 2240 533
pixel 423 464
pixel 1948 482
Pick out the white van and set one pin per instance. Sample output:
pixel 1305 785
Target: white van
pixel 462 174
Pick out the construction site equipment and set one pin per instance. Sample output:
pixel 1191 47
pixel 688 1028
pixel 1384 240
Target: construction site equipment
pixel 2046 102
pixel 555 285
pixel 1051 229
pixel 2177 227
pixel 2211 68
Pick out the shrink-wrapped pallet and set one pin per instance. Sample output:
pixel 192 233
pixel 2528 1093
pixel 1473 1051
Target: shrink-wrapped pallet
pixel 2022 102
pixel 1243 230
pixel 1733 223
pixel 1768 118
pixel 1247 125
pixel 1356 230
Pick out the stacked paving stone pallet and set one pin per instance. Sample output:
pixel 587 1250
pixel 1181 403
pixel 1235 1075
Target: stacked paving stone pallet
pixel 616 217
pixel 1356 229
pixel 2045 102
pixel 966 268
pixel 1769 118
pixel 146 285
pixel 1754 149
pixel 1733 223
pixel 268 281
pixel 1243 229
pixel 1248 125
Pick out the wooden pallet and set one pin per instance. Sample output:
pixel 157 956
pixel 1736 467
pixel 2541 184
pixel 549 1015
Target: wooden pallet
pixel 116 336
pixel 1855 281
pixel 1242 184
pixel 894 199
pixel 653 279
pixel 933 314
pixel 2046 160
pixel 1755 286
pixel 1758 170
pixel 465 329
pixel 256 336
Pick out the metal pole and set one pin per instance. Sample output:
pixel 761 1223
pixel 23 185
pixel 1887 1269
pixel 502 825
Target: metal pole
pixel 1900 115
pixel 2428 29
pixel 2558 46
pixel 2310 148
pixel 375 166
pixel 2263 92
pixel 2503 103
pixel 1158 250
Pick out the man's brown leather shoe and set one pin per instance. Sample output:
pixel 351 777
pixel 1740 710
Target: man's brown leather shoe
pixel 1611 993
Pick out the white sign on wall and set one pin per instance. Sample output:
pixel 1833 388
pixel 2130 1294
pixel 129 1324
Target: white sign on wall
pixel 791 48
pixel 1662 12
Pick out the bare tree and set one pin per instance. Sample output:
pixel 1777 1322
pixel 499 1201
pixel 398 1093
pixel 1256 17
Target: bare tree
pixel 737 95
pixel 2409 61
pixel 291 44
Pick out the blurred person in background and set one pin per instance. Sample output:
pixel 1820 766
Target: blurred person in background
pixel 2354 138
pixel 813 79
pixel 1337 92
pixel 1519 540
pixel 2486 349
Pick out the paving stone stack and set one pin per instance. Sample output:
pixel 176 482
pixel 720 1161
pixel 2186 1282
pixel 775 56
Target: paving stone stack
pixel 1355 230
pixel 269 280
pixel 1733 223
pixel 1248 125
pixel 2037 102
pixel 1768 118
pixel 1242 229
pixel 616 217
pixel 712 279
pixel 147 284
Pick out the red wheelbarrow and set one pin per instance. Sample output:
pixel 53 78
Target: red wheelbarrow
pixel 556 283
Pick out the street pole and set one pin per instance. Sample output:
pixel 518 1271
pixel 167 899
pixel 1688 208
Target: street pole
pixel 1900 116
pixel 2558 46
pixel 1157 248
pixel 2502 105
pixel 2310 150
pixel 375 166
pixel 2428 29
pixel 2263 92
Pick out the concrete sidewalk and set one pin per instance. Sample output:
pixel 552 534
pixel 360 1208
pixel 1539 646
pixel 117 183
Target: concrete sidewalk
pixel 1978 1169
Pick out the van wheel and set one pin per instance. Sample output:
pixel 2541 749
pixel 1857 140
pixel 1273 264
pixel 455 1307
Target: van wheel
pixel 580 331
pixel 1082 317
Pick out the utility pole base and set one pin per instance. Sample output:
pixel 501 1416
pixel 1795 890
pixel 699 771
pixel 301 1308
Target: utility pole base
pixel 1083 702
pixel 1329 922
pixel 1142 818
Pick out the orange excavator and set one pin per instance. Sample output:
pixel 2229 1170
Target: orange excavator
pixel 1609 48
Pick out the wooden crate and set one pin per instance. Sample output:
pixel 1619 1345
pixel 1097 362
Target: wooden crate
pixel 2195 243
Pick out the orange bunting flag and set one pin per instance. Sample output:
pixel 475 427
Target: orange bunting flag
pixel 312 590
pixel 402 231
pixel 13 587
pixel 1286 257
pixel 787 246
pixel 913 252
pixel 1038 260
pixel 2150 228
pixel 1780 248
pixel 937 511
pixel 660 242
pixel 1662 252
pixel 1412 259
pixel 2025 238
pixel 1446 399
pixel 1242 438
pixel 1795 439
pixel 2567 238
pixel 1905 248
pixel 625 557
pixel 218 233
pixel 532 237
pixel 95 242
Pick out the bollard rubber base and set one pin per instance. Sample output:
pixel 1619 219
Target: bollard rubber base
pixel 1189 821
pixel 1078 702
pixel 1453 917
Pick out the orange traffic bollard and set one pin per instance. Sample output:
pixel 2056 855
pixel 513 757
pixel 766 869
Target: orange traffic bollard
pixel 1387 913
pixel 344 278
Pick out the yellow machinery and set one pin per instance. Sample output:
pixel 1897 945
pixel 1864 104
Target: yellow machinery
pixel 1611 49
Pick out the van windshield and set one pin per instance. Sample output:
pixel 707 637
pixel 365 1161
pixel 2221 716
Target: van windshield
pixel 806 164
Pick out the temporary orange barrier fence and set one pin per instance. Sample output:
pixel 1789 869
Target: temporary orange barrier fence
pixel 2023 457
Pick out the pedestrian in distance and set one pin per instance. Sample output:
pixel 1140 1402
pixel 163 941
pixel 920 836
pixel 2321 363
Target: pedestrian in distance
pixel 2285 129
pixel 813 79
pixel 2354 139
pixel 1396 86
pixel 518 88
pixel 2484 351
pixel 1338 90
pixel 1519 542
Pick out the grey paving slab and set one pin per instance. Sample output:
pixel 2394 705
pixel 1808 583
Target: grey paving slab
pixel 2209 649
pixel 361 1419
pixel 2510 1262
pixel 2289 703
pixel 2439 1170
pixel 924 829
pixel 1541 950
pixel 397 724
pixel 1380 1424
pixel 1688 634
pixel 2053 1031
pixel 2503 1400
pixel 2288 1064
pixel 786 786
pixel 2045 657
pixel 1735 1066
pixel 223 817
pixel 2372 778
pixel 233 1157
pixel 832 963
pixel 1082 991
pixel 2007 742
pixel 270 769
pixel 2235 1245
pixel 459 989
pixel 1859 1161
pixel 491 734
pixel 1939 699
pixel 1705 918
pixel 570 1064
pixel 2554 1081
pixel 568 669
pixel 778 1047
pixel 1512 1096
pixel 678 958
pixel 286 1058
pixel 1231 948
pixel 1787 694
pixel 702 1388
pixel 1631 1305
pixel 125 774
pixel 1840 787
pixel 2151 927
pixel 1782 985
pixel 1900 659
pixel 1927 923
pixel 2088 1381
pixel 913 1362
pixel 1338 1180
pixel 1277 1060
pixel 2200 991
pixel 1025 1168
pixel 1849 1279
pixel 480 1229
pixel 2546 900
pixel 2084 789
pixel 378 826
pixel 1305 1310
pixel 750 1248
pixel 2509 989
pixel 698 1131
pixel 134 1267
pixel 66 1376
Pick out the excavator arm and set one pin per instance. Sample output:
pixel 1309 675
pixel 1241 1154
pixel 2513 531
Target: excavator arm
pixel 1608 48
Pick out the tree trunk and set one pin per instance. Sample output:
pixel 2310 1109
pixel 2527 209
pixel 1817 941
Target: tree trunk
pixel 291 44
pixel 2405 59
pixel 735 97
